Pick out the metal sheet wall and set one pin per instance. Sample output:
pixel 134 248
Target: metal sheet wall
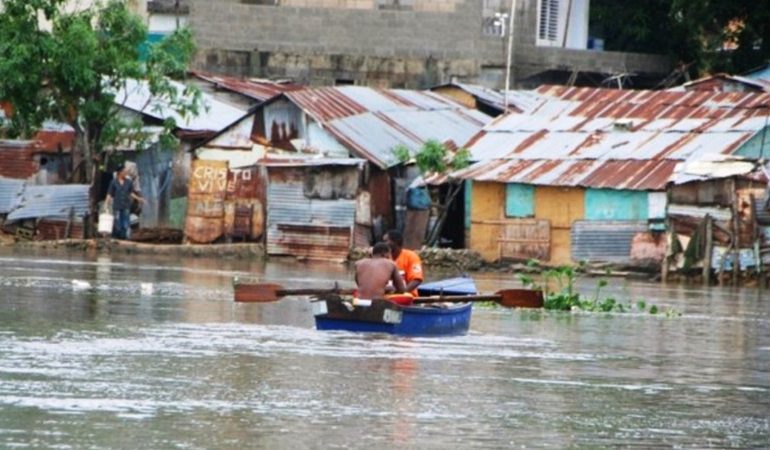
pixel 10 193
pixel 52 201
pixel 304 227
pixel 604 240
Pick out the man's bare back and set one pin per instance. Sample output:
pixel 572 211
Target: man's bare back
pixel 373 275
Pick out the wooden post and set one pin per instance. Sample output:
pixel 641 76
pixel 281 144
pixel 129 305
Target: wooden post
pixel 709 250
pixel 736 232
pixel 70 220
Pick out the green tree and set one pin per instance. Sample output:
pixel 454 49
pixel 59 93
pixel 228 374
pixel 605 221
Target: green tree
pixel 72 72
pixel 433 159
pixel 693 32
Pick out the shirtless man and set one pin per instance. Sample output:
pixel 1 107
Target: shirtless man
pixel 373 274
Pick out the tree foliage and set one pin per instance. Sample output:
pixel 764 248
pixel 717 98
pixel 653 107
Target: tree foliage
pixel 434 158
pixel 713 35
pixel 72 71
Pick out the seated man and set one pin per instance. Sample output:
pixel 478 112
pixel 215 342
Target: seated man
pixel 407 261
pixel 373 274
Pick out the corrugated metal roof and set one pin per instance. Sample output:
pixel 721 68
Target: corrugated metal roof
pixel 51 201
pixel 259 90
pixel 375 135
pixel 611 138
pixel 214 115
pixel 328 103
pixel 10 192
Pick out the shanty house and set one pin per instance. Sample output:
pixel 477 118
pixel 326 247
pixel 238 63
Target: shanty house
pixel 350 121
pixel 164 173
pixel 584 174
pixel 305 208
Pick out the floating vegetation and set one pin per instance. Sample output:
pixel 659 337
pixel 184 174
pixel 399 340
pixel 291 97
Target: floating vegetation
pixel 558 286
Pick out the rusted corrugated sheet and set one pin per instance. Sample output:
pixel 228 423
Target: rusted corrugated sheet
pixel 245 197
pixel 604 241
pixel 305 227
pixel 617 139
pixel 325 104
pixel 51 201
pixel 206 201
pixel 259 90
pixel 375 136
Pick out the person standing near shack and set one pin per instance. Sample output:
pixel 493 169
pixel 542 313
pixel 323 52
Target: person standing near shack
pixel 119 195
pixel 374 274
pixel 407 261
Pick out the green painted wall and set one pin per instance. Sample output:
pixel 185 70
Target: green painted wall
pixel 615 204
pixel 177 213
pixel 519 200
pixel 468 193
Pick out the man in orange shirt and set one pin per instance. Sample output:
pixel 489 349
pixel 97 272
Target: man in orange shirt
pixel 407 261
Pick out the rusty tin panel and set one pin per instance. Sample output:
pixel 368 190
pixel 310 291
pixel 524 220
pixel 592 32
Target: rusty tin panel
pixel 309 241
pixel 208 177
pixel 206 201
pixel 260 91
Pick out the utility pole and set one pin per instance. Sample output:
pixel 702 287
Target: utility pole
pixel 508 58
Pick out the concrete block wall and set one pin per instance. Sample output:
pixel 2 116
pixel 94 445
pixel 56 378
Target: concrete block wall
pixel 320 42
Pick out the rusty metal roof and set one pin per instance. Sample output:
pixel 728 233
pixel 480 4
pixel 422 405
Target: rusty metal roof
pixel 259 90
pixel 518 100
pixel 613 138
pixel 375 135
pixel 330 103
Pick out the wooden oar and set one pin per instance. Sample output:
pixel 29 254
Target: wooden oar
pixel 270 292
pixel 510 298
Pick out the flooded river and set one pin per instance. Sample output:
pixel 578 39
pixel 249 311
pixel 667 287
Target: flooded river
pixel 127 352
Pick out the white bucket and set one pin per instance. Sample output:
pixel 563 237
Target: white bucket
pixel 105 223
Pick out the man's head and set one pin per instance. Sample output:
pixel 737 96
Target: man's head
pixel 395 239
pixel 120 171
pixel 381 249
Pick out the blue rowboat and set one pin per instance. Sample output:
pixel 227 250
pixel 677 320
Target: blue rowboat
pixel 381 316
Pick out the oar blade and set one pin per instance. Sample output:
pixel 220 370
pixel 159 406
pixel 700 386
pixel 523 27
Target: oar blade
pixel 521 298
pixel 257 293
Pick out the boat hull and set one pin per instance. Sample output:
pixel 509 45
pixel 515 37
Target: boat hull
pixel 386 317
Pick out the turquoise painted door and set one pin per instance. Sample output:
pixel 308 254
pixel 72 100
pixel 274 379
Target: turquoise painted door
pixel 616 204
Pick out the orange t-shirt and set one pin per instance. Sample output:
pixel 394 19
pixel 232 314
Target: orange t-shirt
pixel 410 266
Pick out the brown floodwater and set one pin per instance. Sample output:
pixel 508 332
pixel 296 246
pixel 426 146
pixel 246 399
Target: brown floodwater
pixel 104 352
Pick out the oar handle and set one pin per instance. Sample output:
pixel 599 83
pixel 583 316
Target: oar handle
pixel 313 291
pixel 458 298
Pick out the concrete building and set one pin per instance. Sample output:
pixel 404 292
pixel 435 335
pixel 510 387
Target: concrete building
pixel 409 43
